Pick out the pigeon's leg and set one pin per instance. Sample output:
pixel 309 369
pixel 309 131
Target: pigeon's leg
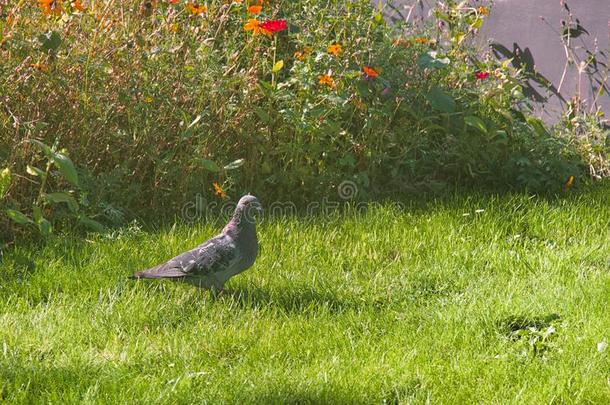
pixel 216 286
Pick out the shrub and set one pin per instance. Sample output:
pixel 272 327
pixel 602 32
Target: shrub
pixel 158 100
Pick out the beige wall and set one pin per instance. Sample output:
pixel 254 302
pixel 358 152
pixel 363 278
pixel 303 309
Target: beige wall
pixel 517 24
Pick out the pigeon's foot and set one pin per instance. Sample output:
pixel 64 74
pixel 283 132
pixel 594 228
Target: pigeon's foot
pixel 216 289
pixel 206 283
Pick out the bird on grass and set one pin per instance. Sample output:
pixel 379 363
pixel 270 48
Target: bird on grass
pixel 211 264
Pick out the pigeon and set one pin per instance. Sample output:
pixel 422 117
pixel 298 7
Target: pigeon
pixel 211 264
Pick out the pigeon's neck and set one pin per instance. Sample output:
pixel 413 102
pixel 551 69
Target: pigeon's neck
pixel 240 225
pixel 242 230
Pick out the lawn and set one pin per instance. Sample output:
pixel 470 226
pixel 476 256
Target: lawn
pixel 467 299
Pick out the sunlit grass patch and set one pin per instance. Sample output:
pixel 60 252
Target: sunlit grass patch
pixel 413 304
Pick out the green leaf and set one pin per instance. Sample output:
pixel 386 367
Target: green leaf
pixel 44 148
pixel 18 217
pixel 210 165
pixel 91 224
pixel 61 161
pixel 475 122
pixel 45 227
pixel 478 23
pixel 507 115
pixel 63 198
pixel 6 178
pixel 37 213
pixel 430 60
pixel 538 126
pixel 440 100
pixel 263 115
pixel 235 164
pixel 352 74
pixel 50 41
pixel 34 171
pixel 140 41
pixel 66 167
pixel 40 126
pixel 502 137
pixel 347 160
pixel 277 66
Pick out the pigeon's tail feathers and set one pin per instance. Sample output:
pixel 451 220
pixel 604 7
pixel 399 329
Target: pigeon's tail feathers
pixel 142 274
pixel 162 271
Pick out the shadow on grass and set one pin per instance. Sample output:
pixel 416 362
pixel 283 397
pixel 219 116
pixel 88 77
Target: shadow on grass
pixel 24 383
pixel 16 266
pixel 293 300
pixel 327 396
pixel 516 323
pixel 341 394
pixel 532 335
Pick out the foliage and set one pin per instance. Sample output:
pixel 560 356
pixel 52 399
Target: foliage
pixel 590 138
pixel 47 202
pixel 159 100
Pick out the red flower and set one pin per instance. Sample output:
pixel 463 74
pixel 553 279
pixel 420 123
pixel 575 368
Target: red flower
pixel 481 75
pixel 274 25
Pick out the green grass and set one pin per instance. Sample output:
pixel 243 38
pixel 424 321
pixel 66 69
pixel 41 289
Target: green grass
pixel 428 303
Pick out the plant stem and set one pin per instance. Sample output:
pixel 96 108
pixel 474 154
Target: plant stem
pixel 43 184
pixel 273 66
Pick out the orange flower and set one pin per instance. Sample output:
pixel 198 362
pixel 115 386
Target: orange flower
pixel 421 40
pixel 173 1
pixel 335 49
pixel 50 6
pixel 219 191
pixel 255 9
pixel 570 182
pixel 196 9
pixel 401 42
pixel 483 10
pixel 40 66
pixel 370 72
pixel 77 5
pixel 254 26
pixel 300 55
pixel 327 80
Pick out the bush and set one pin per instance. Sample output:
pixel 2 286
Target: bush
pixel 158 100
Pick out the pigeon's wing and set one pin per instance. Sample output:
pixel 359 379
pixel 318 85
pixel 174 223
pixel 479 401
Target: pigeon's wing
pixel 211 257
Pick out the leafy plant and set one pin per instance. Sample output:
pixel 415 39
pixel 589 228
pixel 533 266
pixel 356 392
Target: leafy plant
pixel 58 164
pixel 535 336
pixel 154 107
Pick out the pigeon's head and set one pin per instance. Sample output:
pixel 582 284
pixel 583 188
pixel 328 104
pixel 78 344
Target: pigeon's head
pixel 249 207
